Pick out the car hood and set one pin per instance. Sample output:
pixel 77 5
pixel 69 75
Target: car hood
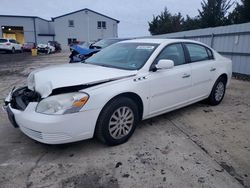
pixel 45 80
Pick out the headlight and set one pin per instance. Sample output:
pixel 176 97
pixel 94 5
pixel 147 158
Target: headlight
pixel 63 103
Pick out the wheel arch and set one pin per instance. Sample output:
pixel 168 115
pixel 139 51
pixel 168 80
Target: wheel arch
pixel 224 76
pixel 131 95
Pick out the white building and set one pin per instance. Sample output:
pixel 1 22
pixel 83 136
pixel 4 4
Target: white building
pixel 81 25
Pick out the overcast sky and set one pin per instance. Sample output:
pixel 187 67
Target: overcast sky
pixel 133 14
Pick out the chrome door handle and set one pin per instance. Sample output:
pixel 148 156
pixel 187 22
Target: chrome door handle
pixel 186 76
pixel 213 69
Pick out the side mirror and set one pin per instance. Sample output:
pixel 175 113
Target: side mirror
pixel 165 64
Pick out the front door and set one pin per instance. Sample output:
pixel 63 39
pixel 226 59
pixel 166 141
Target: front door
pixel 170 88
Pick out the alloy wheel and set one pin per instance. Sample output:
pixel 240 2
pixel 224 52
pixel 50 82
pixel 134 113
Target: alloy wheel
pixel 219 91
pixel 121 122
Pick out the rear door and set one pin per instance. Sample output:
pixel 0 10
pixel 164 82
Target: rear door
pixel 170 88
pixel 203 69
pixel 13 44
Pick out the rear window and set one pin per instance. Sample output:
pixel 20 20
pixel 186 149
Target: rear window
pixel 3 40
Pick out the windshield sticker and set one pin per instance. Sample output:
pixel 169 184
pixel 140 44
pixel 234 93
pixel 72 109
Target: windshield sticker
pixel 145 47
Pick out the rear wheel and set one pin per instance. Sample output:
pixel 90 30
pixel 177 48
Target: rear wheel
pixel 218 92
pixel 117 121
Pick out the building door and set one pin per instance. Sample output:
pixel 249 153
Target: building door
pixel 13 32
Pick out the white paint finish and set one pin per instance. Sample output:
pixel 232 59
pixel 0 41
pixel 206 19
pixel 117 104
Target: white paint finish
pixel 202 78
pixel 48 79
pixel 9 45
pixel 160 91
pixel 169 88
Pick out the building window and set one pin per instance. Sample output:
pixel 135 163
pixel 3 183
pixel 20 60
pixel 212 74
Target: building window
pixel 104 25
pixel 101 25
pixel 71 23
pixel 72 41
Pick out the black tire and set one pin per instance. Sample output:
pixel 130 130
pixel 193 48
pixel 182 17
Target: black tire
pixel 13 50
pixel 103 127
pixel 218 91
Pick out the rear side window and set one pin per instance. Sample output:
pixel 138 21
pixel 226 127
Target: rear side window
pixel 198 52
pixel 173 52
pixel 3 40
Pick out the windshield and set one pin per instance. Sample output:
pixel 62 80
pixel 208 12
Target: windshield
pixel 128 56
pixel 105 43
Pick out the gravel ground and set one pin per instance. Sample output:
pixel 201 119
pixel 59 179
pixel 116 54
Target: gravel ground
pixel 197 146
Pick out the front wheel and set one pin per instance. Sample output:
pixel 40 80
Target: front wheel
pixel 117 121
pixel 218 92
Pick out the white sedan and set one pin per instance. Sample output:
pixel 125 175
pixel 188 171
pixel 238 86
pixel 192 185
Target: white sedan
pixel 112 91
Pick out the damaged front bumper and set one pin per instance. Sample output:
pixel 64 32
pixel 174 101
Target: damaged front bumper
pixel 20 106
pixel 19 99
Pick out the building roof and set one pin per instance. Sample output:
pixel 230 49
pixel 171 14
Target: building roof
pixel 18 16
pixel 85 9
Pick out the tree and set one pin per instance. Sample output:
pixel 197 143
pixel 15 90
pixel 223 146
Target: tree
pixel 165 23
pixel 191 23
pixel 214 12
pixel 241 13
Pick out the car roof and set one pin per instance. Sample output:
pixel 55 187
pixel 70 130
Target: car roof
pixel 158 40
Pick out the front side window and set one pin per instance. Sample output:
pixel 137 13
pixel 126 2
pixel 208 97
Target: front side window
pixel 173 52
pixel 127 56
pixel 197 52
pixel 71 23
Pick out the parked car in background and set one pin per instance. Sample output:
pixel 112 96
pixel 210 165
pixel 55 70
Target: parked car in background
pixel 45 48
pixel 56 44
pixel 28 46
pixel 81 52
pixel 113 90
pixel 10 45
pixel 106 42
